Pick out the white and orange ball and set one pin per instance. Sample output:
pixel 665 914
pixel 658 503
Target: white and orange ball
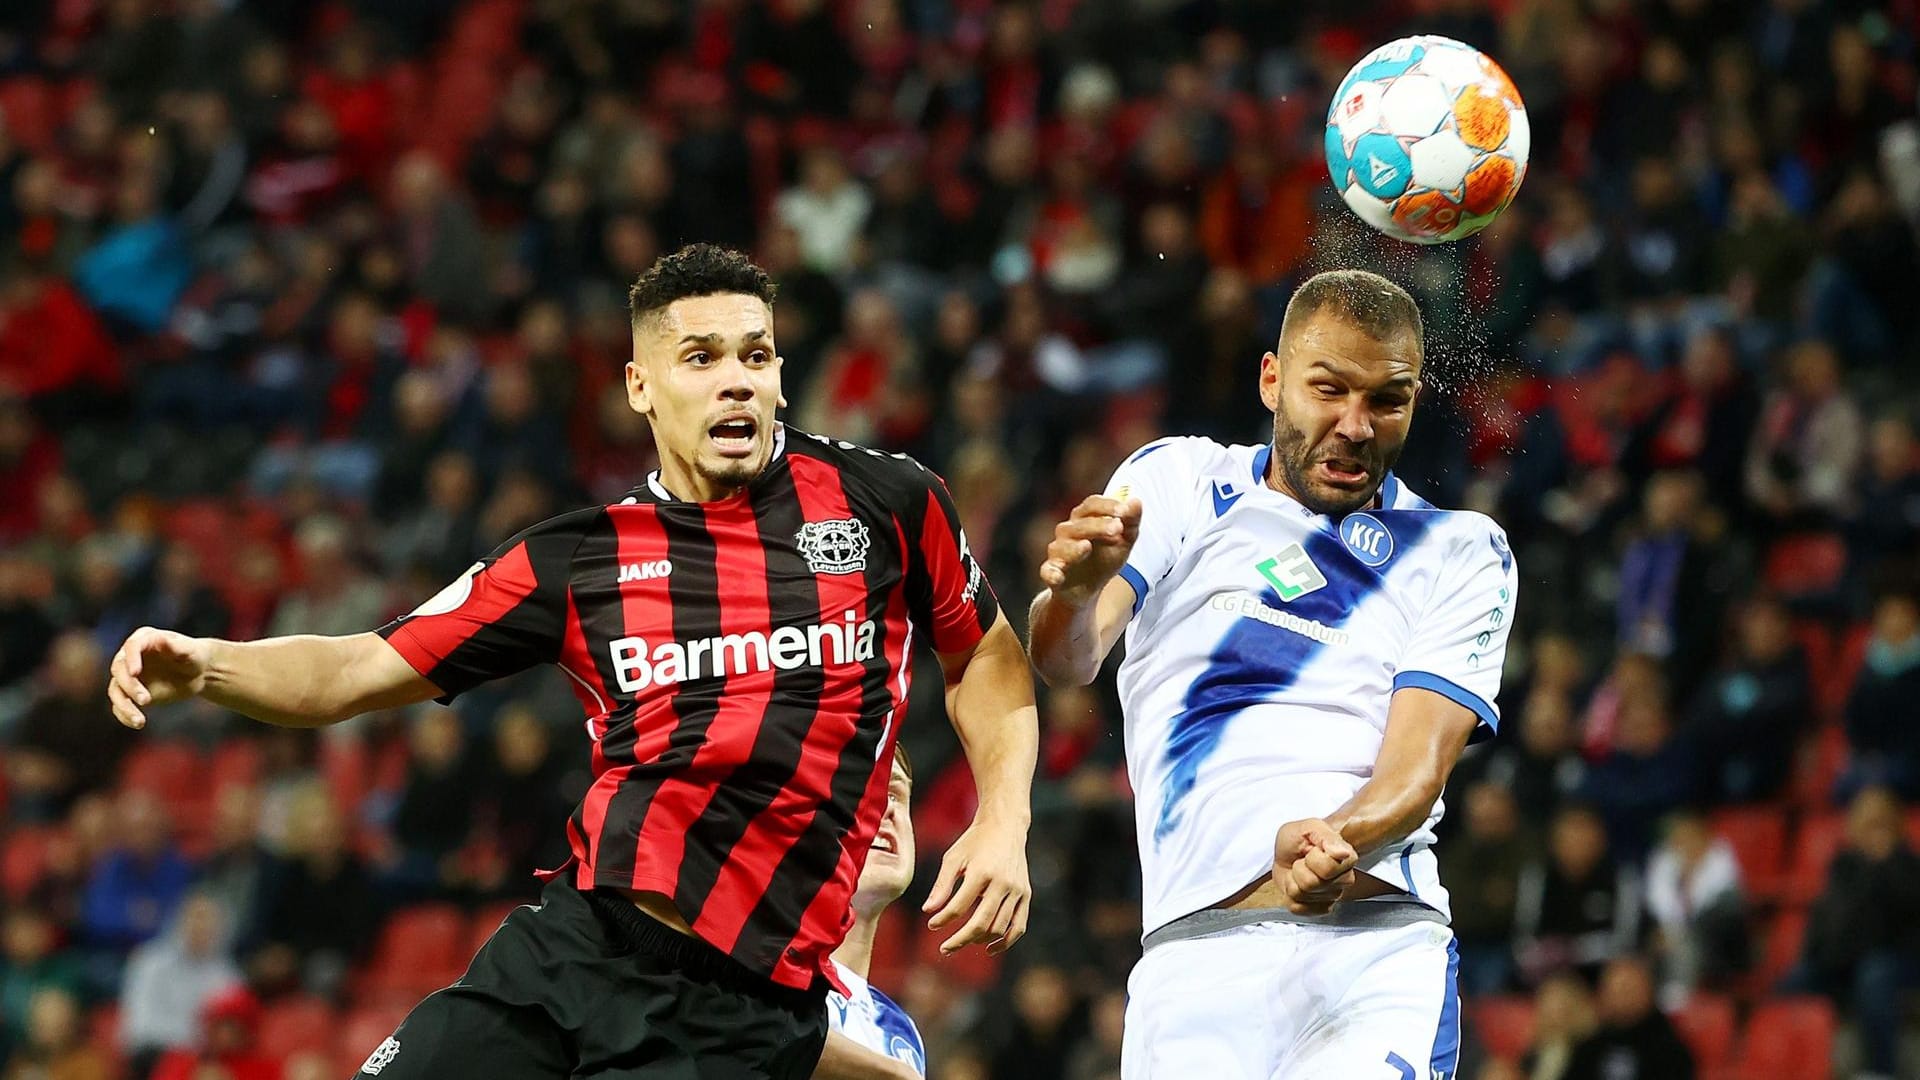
pixel 1427 139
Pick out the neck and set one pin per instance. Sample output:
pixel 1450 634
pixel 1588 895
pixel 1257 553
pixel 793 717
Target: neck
pixel 856 952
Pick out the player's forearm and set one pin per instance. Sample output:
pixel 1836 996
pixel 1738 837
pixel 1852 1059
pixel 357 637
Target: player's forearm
pixel 844 1059
pixel 992 709
pixel 1381 813
pixel 1064 638
pixel 309 681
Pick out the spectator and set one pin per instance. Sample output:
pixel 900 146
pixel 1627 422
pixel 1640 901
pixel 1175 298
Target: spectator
pixel 1542 768
pixel 232 870
pixel 180 597
pixel 1746 721
pixel 440 238
pixel 1804 460
pixel 1563 1020
pixel 1668 605
pixel 827 209
pixel 316 907
pixel 434 818
pixel 1635 1040
pixel 30 962
pixel 141 266
pixel 170 981
pixel 1884 741
pixel 68 743
pixel 1047 1023
pixel 1706 423
pixel 231 1022
pixel 1484 864
pixel 136 886
pixel 56 1046
pixel 1890 530
pixel 1863 934
pixel 527 789
pixel 1699 913
pixel 867 387
pixel 1577 907
pixel 339 596
pixel 1099 1055
pixel 1648 774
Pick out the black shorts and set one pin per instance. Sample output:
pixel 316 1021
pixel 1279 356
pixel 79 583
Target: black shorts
pixel 586 985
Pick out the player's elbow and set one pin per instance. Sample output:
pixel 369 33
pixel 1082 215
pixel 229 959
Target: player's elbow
pixel 1057 672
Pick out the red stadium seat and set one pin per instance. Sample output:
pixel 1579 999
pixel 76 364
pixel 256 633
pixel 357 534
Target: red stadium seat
pixel 301 1024
pixel 891 944
pixel 1758 835
pixel 1504 1024
pixel 236 761
pixel 170 770
pixel 1806 565
pixel 1818 766
pixel 1706 1024
pixel 1849 656
pixel 23 859
pixel 419 951
pixel 1790 1037
pixel 30 112
pixel 1819 837
pixel 1781 952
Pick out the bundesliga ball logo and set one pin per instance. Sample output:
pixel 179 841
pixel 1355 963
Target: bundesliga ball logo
pixel 1427 139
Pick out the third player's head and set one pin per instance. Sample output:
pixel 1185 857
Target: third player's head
pixel 705 372
pixel 889 868
pixel 1341 384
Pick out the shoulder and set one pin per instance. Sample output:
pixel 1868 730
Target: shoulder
pixel 857 462
pixel 1457 536
pixel 897 1025
pixel 1195 453
pixel 570 526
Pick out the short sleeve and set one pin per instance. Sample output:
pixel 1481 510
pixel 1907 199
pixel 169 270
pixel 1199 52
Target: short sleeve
pixel 1460 643
pixel 950 597
pixel 505 614
pixel 1158 475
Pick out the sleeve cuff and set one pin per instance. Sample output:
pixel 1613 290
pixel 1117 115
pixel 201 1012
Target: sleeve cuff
pixel 1455 693
pixel 401 637
pixel 1139 584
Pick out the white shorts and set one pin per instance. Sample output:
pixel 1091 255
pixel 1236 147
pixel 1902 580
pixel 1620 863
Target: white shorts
pixel 1284 1001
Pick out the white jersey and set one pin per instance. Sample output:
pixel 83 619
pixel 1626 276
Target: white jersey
pixel 870 1018
pixel 1266 643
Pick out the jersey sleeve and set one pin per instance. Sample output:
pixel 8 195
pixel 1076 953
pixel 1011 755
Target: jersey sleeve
pixel 949 595
pixel 1159 475
pixel 507 613
pixel 1460 644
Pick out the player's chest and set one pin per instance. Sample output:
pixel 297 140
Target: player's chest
pixel 1357 582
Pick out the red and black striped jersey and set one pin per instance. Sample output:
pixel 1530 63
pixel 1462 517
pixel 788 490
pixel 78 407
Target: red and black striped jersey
pixel 743 664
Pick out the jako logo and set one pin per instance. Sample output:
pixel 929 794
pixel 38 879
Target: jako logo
pixel 645 571
pixel 637 667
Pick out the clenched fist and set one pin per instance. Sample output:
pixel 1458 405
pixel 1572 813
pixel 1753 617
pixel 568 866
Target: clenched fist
pixel 1313 865
pixel 1090 547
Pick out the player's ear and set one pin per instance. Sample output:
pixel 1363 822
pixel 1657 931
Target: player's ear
pixel 1270 382
pixel 779 363
pixel 639 397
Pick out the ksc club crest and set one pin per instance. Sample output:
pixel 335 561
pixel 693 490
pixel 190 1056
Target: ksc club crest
pixel 834 547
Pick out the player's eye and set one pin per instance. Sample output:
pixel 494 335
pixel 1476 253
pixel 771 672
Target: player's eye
pixel 699 359
pixel 759 356
pixel 1327 389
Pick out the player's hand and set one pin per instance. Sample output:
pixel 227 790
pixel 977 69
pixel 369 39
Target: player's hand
pixel 155 667
pixel 1090 547
pixel 985 872
pixel 1313 865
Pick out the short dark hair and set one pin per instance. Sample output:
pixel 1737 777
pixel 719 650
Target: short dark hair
pixel 1373 303
pixel 696 270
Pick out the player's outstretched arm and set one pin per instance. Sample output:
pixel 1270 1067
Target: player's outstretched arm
pixel 990 699
pixel 299 681
pixel 1078 617
pixel 844 1059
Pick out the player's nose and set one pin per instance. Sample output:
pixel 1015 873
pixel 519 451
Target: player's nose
pixel 1355 423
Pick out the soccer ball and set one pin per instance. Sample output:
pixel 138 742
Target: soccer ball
pixel 1427 139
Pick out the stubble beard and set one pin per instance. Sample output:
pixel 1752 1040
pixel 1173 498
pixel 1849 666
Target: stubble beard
pixel 1294 457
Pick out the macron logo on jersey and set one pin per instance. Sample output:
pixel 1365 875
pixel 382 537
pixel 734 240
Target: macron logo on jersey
pixel 1224 497
pixel 637 667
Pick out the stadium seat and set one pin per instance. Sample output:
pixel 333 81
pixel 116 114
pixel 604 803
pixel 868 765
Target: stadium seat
pixel 1815 842
pixel 1758 835
pixel 171 770
pixel 1849 656
pixel 1706 1024
pixel 419 951
pixel 23 859
pixel 1790 1037
pixel 1504 1024
pixel 891 940
pixel 301 1024
pixel 1780 952
pixel 1810 564
pixel 1817 767
pixel 235 761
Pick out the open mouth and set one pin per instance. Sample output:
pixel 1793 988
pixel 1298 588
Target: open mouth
pixel 884 842
pixel 734 436
pixel 1345 472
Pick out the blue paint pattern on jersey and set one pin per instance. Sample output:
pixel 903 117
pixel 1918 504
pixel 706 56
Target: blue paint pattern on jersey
pixel 1254 662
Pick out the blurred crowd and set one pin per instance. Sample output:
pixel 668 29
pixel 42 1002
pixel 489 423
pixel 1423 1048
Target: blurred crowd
pixel 305 305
